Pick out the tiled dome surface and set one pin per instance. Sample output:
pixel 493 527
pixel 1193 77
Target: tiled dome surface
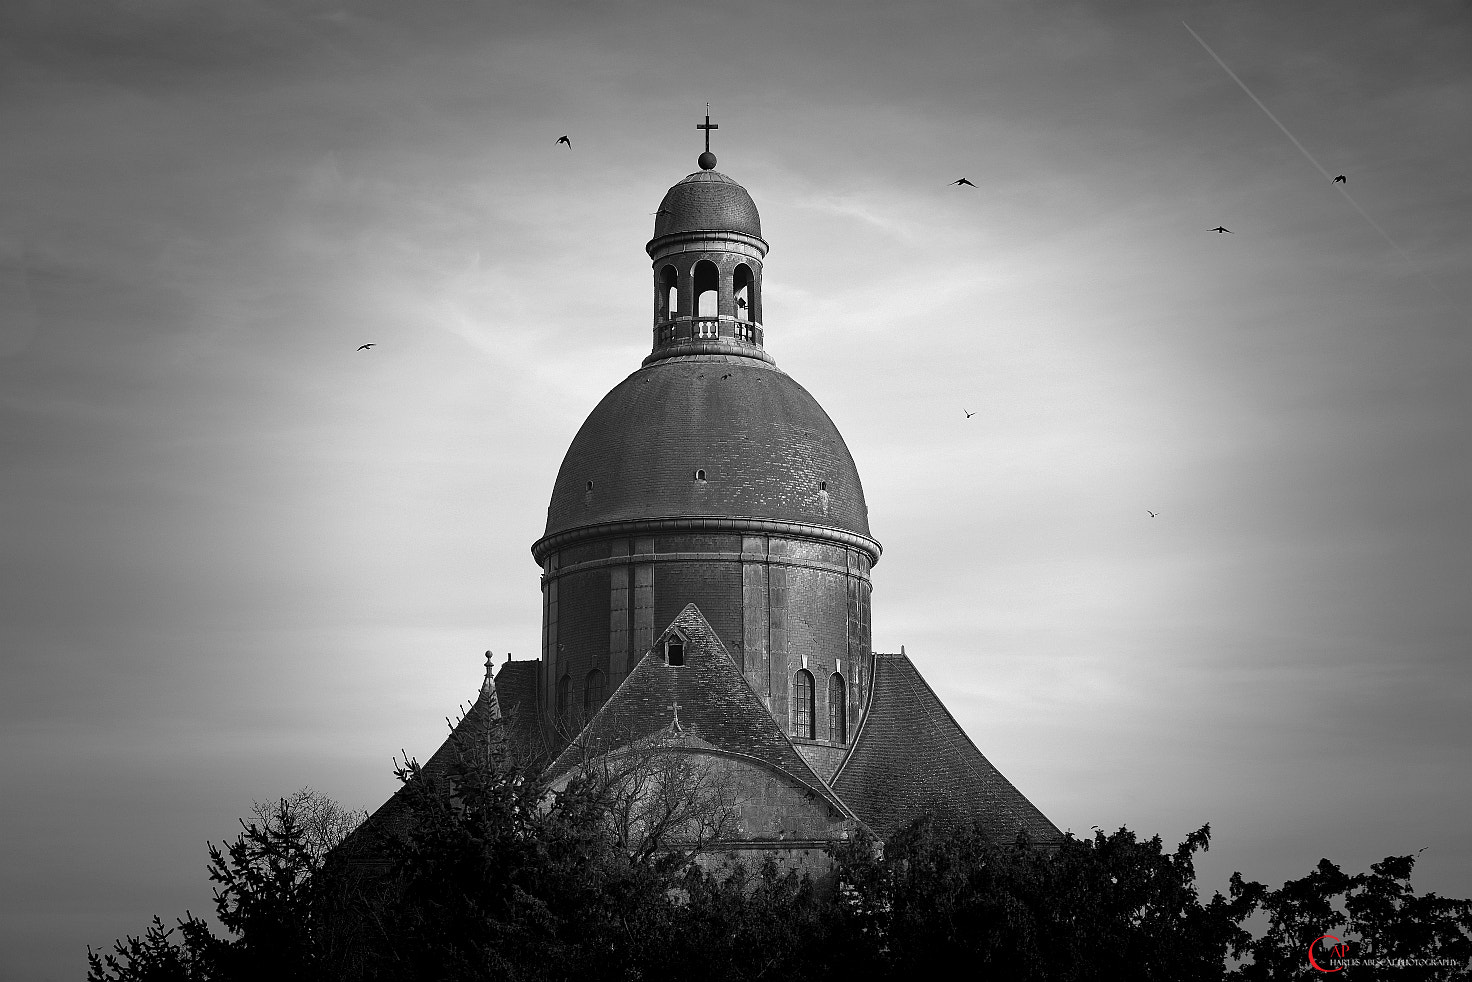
pixel 707 201
pixel 763 443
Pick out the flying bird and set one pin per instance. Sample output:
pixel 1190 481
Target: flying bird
pixel 563 139
pixel 662 211
pixel 1219 230
pixel 1340 179
pixel 968 412
pixel 365 347
pixel 1152 514
pixel 963 181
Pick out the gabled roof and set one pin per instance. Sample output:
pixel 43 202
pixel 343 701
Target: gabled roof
pixel 481 724
pixel 911 755
pixel 716 709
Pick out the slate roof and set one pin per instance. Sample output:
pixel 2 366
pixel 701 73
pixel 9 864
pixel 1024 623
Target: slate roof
pixel 707 201
pixel 716 708
pixel 911 755
pixel 479 724
pixel 516 683
pixel 762 440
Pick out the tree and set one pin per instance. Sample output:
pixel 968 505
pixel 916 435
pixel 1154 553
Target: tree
pixel 1376 914
pixel 945 893
pixel 499 876
pixel 493 875
pixel 735 922
pixel 155 956
pixel 1126 905
pixel 660 798
pixel 265 897
pixel 324 822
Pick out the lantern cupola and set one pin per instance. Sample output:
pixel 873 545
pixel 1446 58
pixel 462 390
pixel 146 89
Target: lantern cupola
pixel 707 255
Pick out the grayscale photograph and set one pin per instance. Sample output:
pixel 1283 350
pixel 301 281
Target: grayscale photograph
pixel 649 490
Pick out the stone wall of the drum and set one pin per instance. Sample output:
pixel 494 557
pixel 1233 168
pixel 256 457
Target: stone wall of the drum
pixel 780 604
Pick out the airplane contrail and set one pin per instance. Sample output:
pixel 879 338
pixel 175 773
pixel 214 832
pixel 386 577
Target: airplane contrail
pixel 1327 175
pixel 1310 157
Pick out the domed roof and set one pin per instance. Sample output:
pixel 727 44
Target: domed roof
pixel 707 201
pixel 764 448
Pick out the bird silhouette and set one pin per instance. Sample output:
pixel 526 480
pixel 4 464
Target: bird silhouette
pixel 563 139
pixel 365 347
pixel 963 181
pixel 662 211
pixel 1341 179
pixel 968 412
pixel 1219 230
pixel 1152 514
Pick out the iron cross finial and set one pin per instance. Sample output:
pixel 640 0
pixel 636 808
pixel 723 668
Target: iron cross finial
pixel 707 126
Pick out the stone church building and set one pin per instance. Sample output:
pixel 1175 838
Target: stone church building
pixel 706 573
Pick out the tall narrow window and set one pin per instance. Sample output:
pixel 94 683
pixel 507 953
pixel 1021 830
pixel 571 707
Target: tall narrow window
pixel 564 697
pixel 707 281
pixel 802 704
pixel 745 297
pixel 667 294
pixel 674 651
pixel 837 710
pixel 593 693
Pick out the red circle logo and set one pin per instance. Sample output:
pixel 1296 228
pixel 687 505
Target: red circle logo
pixel 1314 944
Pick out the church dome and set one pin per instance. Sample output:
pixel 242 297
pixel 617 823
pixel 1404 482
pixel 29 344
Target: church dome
pixel 709 436
pixel 707 201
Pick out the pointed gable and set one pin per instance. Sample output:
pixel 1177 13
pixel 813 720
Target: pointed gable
pixel 481 724
pixel 911 755
pixel 716 709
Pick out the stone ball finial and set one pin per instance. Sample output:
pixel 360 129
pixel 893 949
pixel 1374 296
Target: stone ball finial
pixel 707 161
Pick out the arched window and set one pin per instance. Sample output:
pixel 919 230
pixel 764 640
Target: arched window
pixel 743 290
pixel 802 704
pixel 707 281
pixel 564 696
pixel 593 693
pixel 667 294
pixel 837 710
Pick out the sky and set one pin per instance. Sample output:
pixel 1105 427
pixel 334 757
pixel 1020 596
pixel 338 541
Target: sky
pixel 240 556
